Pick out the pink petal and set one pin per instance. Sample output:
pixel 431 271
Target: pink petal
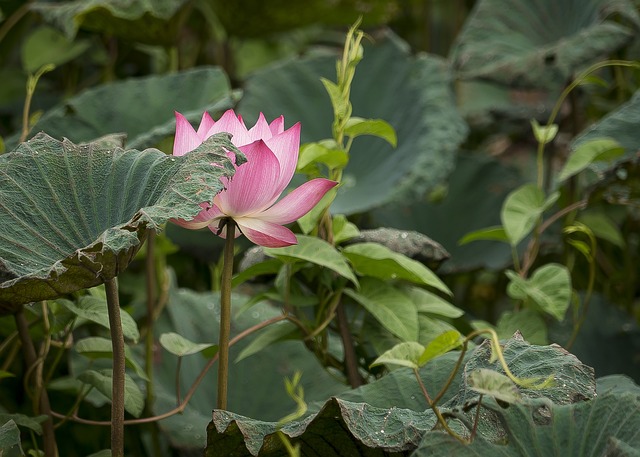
pixel 186 138
pixel 230 123
pixel 266 234
pixel 205 125
pixel 286 146
pixel 261 130
pixel 298 202
pixel 277 126
pixel 252 187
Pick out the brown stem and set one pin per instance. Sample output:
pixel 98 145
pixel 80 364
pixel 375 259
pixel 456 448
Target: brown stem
pixel 225 315
pixel 48 435
pixel 117 386
pixel 350 358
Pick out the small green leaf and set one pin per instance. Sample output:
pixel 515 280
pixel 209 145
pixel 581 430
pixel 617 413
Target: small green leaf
pixel 180 346
pixel 317 251
pixel 549 288
pixel 5 374
pixel 309 221
pixel 32 423
pixel 404 354
pixel 94 309
pixel 599 149
pixel 373 259
pixel 102 453
pixel 341 106
pixel 343 230
pixel 101 380
pixel 10 439
pixel 494 384
pixel 357 126
pixel 267 267
pixel 544 134
pixel 97 348
pixel 430 303
pixel 272 334
pixel 521 210
pixel 496 233
pixel 325 152
pixel 440 345
pixel 390 306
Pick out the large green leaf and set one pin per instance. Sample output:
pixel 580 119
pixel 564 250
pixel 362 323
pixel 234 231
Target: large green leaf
pixel 606 425
pixel 147 21
pixel 476 189
pixel 620 124
pixel 540 43
pixel 341 428
pixel 415 98
pixel 388 415
pixel 142 108
pixel 72 216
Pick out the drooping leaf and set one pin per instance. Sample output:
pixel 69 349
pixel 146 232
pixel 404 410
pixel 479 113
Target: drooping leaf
pixel 540 43
pixel 145 107
pixel 549 287
pixel 392 308
pixel 378 261
pixel 415 99
pixel 602 226
pixel 102 380
pixel 180 346
pixel 315 250
pixel 72 216
pixel 152 22
pixel 485 234
pixel 354 429
pixel 521 210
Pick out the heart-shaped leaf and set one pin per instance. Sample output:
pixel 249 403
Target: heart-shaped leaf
pixel 74 215
pixel 415 98
pixel 101 380
pixel 549 287
pixel 93 113
pixel 540 43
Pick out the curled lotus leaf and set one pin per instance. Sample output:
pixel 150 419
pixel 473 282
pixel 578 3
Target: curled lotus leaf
pixel 72 215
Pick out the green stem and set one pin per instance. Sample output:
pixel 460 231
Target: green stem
pixel 117 387
pixel 48 435
pixel 225 316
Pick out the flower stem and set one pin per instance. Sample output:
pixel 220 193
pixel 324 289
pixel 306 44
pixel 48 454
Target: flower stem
pixel 225 315
pixel 117 387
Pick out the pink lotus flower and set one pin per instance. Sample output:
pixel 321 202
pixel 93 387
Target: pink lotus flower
pixel 250 197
